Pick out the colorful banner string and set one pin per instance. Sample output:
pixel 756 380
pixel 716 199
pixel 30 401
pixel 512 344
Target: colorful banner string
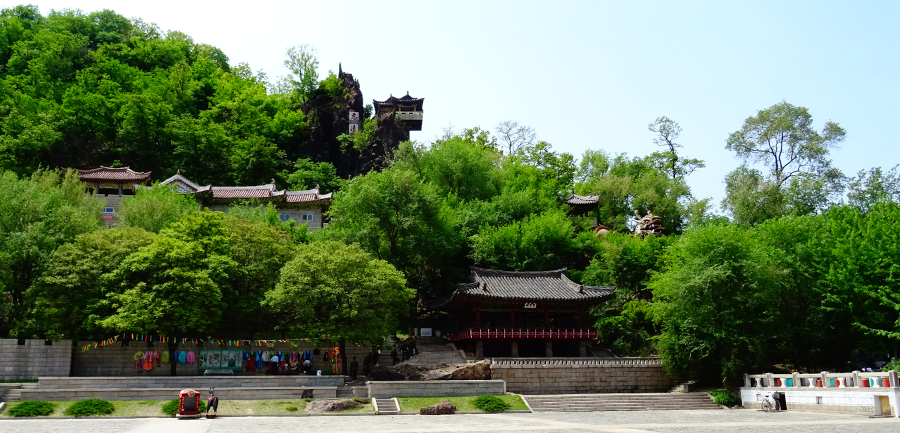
pixel 196 341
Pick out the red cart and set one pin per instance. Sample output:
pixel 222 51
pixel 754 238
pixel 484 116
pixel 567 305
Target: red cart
pixel 188 404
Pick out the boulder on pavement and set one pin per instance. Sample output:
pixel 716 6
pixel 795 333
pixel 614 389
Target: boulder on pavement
pixel 444 407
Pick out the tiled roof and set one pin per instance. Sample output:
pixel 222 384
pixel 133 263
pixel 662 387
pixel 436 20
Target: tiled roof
pixel 184 184
pixel 575 199
pixel 258 191
pixel 552 286
pixel 393 100
pixel 305 196
pixel 113 174
pixel 267 191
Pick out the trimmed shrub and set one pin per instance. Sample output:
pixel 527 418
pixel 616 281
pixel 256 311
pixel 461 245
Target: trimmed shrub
pixel 490 403
pixel 171 408
pixel 92 406
pixel 724 398
pixel 32 408
pixel 291 408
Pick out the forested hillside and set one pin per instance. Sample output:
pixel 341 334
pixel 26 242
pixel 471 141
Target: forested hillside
pixel 798 271
pixel 83 90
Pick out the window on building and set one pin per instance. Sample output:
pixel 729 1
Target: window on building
pixel 284 217
pixel 108 210
pixel 306 218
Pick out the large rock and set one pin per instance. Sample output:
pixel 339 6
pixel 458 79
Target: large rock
pixel 480 370
pixel 400 372
pixel 444 407
pixel 331 405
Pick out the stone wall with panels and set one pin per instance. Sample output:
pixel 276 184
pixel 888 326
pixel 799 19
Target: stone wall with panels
pixel 863 401
pixel 581 375
pixel 34 359
pixel 117 360
pixel 435 388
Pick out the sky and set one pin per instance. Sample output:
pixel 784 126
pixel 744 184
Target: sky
pixel 584 75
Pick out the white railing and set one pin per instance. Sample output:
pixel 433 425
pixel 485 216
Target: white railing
pixel 409 115
pixel 855 379
pixel 576 361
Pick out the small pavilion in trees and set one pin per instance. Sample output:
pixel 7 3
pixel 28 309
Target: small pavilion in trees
pixel 406 109
pixel 111 184
pixel 527 314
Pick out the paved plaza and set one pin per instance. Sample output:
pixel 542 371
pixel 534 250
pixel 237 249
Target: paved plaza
pixel 616 422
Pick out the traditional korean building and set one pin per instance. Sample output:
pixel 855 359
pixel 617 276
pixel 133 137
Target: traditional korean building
pixel 111 184
pixel 406 109
pixel 307 206
pixel 527 314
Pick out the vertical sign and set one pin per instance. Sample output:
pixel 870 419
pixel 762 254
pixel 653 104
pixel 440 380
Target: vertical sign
pixel 354 122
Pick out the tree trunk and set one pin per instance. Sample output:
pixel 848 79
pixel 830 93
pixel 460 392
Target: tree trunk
pixel 173 347
pixel 342 344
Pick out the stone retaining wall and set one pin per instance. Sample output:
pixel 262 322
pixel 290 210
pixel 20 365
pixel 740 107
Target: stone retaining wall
pixel 435 388
pixel 34 359
pixel 581 375
pixel 117 360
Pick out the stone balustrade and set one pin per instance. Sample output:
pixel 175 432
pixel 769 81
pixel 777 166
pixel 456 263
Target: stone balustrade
pixel 855 379
pixel 857 392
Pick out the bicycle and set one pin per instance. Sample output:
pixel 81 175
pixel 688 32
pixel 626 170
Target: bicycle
pixel 770 404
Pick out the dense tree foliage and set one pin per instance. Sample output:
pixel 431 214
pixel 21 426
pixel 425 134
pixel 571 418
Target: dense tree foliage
pixel 799 276
pixel 88 89
pixel 340 292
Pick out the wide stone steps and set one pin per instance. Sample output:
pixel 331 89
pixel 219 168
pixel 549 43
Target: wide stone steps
pixel 619 402
pixel 386 406
pixel 345 392
pixel 15 394
pixel 143 394
pixel 435 355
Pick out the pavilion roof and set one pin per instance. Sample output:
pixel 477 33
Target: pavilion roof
pixel 509 286
pixel 576 199
pixel 118 174
pixel 392 100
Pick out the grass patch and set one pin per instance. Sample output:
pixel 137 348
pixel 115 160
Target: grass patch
pixel 226 407
pixel 463 404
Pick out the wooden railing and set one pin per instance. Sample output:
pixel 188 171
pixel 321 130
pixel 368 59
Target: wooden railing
pixel 856 379
pixel 518 334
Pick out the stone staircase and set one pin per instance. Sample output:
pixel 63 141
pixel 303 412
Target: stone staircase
pixel 15 394
pixel 619 402
pixel 435 353
pixel 344 392
pixel 386 406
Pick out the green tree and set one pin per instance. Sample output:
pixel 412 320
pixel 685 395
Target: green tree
pixel 800 178
pixel 872 186
pixel 310 174
pixel 69 299
pixel 667 132
pixel 154 209
pixel 38 214
pixel 627 263
pixel 303 78
pixel 398 218
pixel 711 300
pixel 337 291
pixel 537 243
pixel 165 289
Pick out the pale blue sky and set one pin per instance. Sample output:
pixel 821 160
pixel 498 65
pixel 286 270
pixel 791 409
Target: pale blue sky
pixel 584 74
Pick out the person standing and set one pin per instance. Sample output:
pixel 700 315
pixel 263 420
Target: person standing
pixel 273 364
pixel 354 369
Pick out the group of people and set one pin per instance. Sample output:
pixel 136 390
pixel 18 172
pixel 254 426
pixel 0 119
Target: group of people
pixel 279 362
